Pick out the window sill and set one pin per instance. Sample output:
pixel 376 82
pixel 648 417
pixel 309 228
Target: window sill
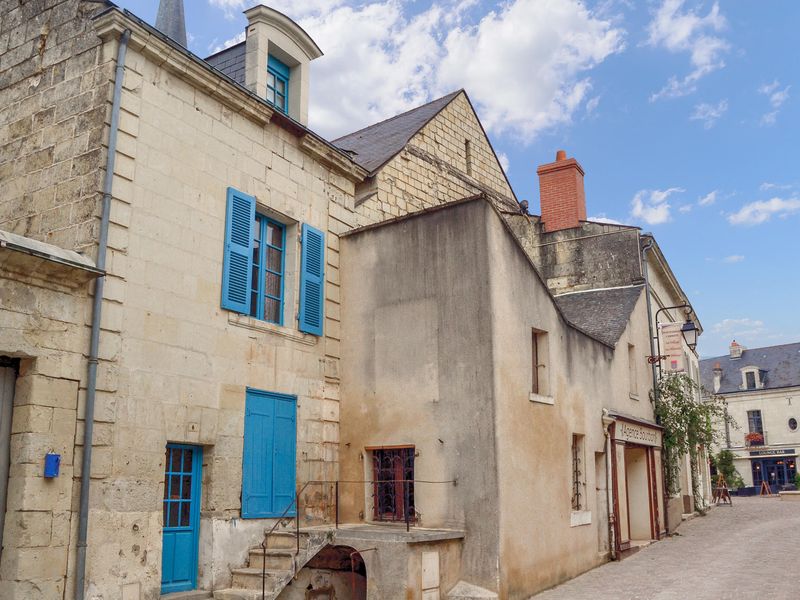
pixel 578 518
pixel 254 324
pixel 540 399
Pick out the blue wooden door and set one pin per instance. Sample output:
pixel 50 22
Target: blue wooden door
pixel 268 463
pixel 182 478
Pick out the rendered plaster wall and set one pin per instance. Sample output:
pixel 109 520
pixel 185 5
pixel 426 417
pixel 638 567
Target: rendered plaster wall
pixel 417 370
pixel 432 169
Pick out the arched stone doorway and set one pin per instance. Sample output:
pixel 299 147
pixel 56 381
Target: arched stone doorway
pixel 335 573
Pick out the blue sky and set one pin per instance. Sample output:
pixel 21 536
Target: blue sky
pixel 684 115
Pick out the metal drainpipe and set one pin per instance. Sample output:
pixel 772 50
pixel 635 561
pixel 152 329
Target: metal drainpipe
pixel 97 308
pixel 612 542
pixel 647 247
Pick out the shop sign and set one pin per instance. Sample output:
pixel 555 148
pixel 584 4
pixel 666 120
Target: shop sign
pixel 672 342
pixel 790 451
pixel 637 434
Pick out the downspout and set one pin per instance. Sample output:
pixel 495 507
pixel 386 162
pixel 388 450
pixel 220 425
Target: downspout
pixel 97 308
pixel 612 542
pixel 654 359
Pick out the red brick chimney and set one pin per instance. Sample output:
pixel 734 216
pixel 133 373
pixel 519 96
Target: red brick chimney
pixel 563 201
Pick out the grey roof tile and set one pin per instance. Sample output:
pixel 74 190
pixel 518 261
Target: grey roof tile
pixel 780 366
pixel 373 146
pixel 230 61
pixel 603 314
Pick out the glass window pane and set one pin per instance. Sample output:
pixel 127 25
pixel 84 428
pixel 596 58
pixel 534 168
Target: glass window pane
pixel 270 79
pixel 272 310
pixel 175 462
pixel 166 514
pixel 175 486
pixel 274 235
pixel 187 460
pixel 185 514
pixel 173 520
pixel 274 259
pixel 280 87
pixel 257 229
pixel 273 284
pixel 271 95
pixel 186 488
pixel 254 304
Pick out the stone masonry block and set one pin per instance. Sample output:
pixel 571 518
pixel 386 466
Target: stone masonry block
pixel 26 529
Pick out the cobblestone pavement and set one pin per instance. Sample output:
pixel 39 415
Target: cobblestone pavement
pixel 747 551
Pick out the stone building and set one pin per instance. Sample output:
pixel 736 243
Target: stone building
pixel 206 335
pixel 761 388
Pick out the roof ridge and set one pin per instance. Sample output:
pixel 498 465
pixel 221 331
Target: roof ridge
pixel 751 350
pixel 402 114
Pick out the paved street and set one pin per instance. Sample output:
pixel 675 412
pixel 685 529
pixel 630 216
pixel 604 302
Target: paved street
pixel 740 552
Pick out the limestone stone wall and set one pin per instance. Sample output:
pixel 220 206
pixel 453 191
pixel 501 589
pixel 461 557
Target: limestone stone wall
pixel 432 169
pixel 183 364
pixel 53 101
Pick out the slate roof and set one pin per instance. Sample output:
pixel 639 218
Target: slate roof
pixel 373 146
pixel 779 365
pixel 230 61
pixel 603 314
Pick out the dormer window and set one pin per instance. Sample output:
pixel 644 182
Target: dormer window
pixel 278 84
pixel 751 378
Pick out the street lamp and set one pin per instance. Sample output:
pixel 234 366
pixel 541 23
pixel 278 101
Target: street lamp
pixel 689 331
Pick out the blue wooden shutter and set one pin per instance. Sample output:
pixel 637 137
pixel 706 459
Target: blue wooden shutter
pixel 312 281
pixel 237 264
pixel 269 455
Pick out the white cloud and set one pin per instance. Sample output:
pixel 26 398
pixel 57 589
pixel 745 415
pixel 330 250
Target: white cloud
pixel 592 104
pixel 777 97
pixel 762 211
pixel 733 258
pixel 709 113
pixel 766 186
pixel 682 30
pixel 685 208
pixel 708 199
pixel 502 158
pixel 651 206
pixel 602 218
pixel 743 326
pixel 238 38
pixel 525 64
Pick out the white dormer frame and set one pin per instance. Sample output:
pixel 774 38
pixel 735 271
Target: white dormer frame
pixel 756 374
pixel 272 32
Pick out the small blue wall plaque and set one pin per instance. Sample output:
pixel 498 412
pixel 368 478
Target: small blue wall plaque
pixel 52 465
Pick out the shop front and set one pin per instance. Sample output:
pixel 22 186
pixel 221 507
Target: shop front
pixel 637 480
pixel 776 467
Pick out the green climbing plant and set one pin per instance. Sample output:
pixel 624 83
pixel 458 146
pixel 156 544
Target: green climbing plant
pixel 688 419
pixel 724 463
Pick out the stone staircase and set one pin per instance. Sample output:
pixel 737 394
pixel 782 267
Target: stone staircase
pixel 281 562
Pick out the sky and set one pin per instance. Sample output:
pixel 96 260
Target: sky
pixel 684 115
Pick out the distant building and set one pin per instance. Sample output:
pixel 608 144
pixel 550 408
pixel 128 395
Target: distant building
pixel 761 387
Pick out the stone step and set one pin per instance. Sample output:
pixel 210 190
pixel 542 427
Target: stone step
pixel 286 540
pixel 274 559
pixel 250 578
pixel 242 594
pixel 190 595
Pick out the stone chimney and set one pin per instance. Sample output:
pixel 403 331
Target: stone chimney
pixel 170 20
pixel 563 201
pixel 736 349
pixel 275 41
pixel 717 377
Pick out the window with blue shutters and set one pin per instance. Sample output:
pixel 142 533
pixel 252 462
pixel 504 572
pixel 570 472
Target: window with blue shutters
pixel 278 84
pixel 312 281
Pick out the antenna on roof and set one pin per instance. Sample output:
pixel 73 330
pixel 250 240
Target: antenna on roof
pixel 171 21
